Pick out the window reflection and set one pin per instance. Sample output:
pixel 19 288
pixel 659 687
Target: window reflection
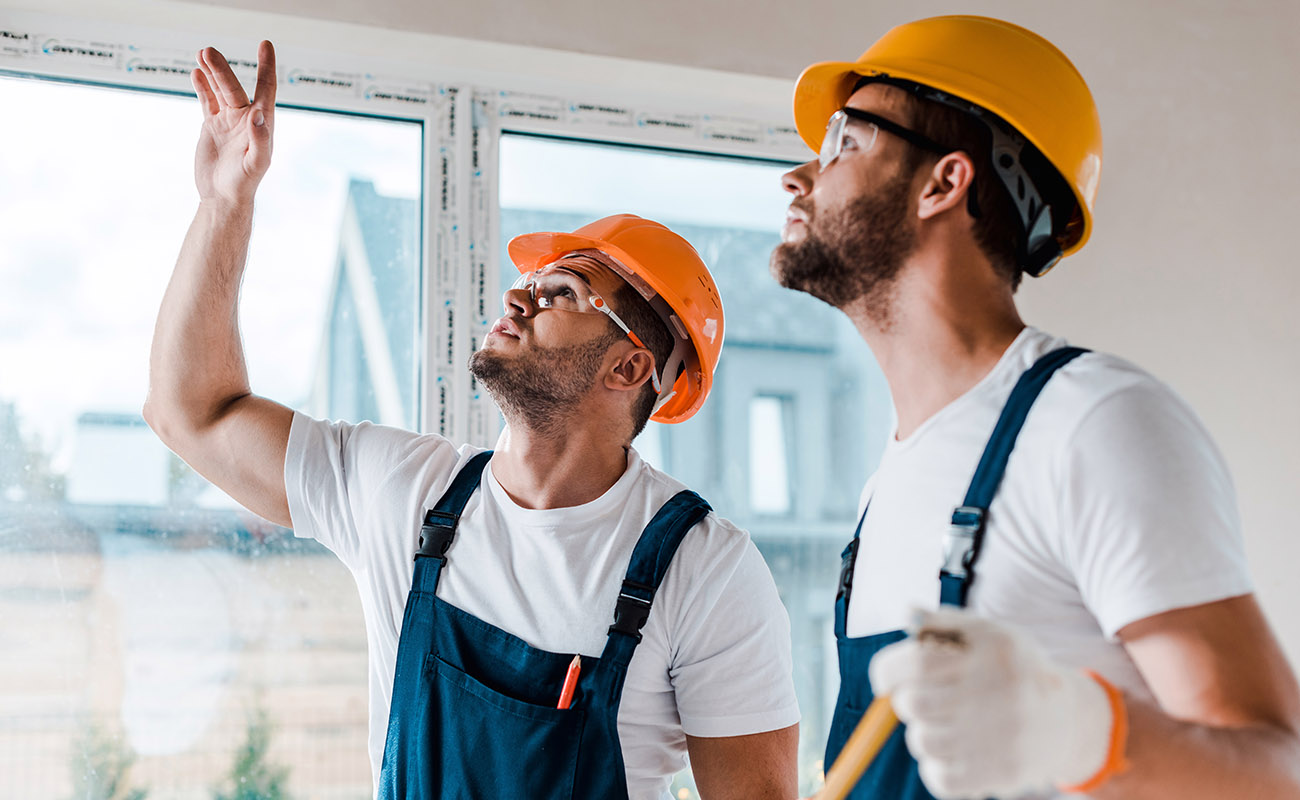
pixel 769 465
pixel 155 638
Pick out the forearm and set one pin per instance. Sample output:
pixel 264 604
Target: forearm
pixel 196 366
pixel 1175 760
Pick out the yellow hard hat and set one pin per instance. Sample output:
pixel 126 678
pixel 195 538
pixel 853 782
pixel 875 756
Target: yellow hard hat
pixel 665 269
pixel 998 66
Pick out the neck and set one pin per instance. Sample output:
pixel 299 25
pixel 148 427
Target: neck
pixel 947 326
pixel 561 467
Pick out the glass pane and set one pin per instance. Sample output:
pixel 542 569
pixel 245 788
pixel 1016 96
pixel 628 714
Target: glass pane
pixel 781 347
pixel 155 635
pixel 769 474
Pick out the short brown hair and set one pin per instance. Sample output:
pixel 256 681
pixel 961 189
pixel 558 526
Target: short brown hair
pixel 997 226
pixel 646 323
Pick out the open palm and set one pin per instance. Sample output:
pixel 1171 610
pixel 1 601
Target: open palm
pixel 234 149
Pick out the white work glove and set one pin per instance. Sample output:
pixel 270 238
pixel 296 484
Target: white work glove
pixel 987 714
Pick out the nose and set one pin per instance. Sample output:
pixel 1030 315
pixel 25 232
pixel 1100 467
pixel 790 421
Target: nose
pixel 518 301
pixel 799 180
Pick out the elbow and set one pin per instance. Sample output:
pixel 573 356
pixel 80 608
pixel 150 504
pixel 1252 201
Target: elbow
pixel 156 420
pixel 165 425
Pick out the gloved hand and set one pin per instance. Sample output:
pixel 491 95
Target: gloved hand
pixel 988 715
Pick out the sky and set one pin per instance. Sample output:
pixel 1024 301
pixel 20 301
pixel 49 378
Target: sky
pixel 666 187
pixel 96 194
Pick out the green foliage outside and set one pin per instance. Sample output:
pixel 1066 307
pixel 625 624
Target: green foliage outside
pixel 101 768
pixel 253 777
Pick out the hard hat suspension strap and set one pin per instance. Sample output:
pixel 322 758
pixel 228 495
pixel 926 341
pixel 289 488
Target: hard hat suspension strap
pixel 1039 249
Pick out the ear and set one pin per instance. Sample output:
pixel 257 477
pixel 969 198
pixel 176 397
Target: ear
pixel 951 178
pixel 631 371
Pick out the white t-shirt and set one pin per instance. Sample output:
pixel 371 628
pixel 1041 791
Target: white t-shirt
pixel 1116 506
pixel 714 659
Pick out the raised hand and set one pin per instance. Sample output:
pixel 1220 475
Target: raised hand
pixel 234 149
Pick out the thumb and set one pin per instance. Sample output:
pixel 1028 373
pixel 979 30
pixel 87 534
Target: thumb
pixel 893 667
pixel 259 142
pixel 955 626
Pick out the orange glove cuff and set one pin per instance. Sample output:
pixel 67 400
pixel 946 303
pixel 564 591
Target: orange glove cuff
pixel 1116 763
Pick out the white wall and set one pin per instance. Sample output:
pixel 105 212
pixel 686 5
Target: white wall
pixel 1190 269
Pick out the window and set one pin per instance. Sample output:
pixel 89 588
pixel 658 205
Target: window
pixel 769 464
pixel 150 628
pixel 783 445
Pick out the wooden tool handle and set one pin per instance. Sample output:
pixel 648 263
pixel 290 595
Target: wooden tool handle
pixel 868 737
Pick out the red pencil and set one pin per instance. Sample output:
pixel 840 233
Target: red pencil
pixel 570 682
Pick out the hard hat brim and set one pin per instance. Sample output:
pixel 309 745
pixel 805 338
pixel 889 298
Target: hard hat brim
pixel 822 89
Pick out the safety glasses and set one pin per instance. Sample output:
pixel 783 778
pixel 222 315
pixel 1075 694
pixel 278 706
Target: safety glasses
pixel 558 289
pixel 872 125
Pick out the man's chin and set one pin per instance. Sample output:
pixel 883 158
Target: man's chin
pixel 485 364
pixel 783 255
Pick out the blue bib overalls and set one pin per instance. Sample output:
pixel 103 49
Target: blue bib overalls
pixel 474 712
pixel 894 774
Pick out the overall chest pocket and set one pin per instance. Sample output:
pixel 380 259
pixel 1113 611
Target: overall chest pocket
pixel 493 745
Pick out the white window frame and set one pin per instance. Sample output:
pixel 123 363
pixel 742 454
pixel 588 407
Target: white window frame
pixel 466 95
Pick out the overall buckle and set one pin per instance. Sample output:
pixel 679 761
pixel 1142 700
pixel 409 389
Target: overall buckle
pixel 436 535
pixel 959 544
pixel 848 560
pixel 630 615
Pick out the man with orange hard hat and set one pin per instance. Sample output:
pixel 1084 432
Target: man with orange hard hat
pixel 555 619
pixel 1048 578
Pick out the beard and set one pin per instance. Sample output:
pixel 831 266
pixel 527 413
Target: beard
pixel 542 390
pixel 854 254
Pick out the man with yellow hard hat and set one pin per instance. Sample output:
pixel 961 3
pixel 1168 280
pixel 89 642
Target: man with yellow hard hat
pixel 555 620
pixel 1053 526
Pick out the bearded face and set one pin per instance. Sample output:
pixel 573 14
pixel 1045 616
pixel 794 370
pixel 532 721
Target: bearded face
pixel 852 253
pixel 541 386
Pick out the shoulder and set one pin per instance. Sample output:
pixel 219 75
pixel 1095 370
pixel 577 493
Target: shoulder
pixel 714 552
pixel 364 460
pixel 1102 398
pixel 365 440
pixel 713 536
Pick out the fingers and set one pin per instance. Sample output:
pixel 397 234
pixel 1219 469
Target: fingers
pixel 207 100
pixel 264 94
pixel 912 663
pixel 222 77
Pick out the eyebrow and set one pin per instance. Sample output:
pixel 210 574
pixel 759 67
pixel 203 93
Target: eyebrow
pixel 577 275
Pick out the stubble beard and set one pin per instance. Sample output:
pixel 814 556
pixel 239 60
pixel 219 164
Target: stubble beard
pixel 543 390
pixel 853 256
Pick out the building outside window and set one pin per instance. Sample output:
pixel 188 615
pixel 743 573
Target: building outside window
pixel 152 632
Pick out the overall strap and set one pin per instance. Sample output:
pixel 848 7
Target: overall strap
pixel 966 533
pixel 439 528
pixel 848 560
pixel 653 553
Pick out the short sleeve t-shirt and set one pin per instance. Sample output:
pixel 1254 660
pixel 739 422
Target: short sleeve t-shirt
pixel 714 659
pixel 1116 506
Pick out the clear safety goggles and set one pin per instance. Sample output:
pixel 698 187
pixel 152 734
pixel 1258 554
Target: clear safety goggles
pixel 558 289
pixel 837 131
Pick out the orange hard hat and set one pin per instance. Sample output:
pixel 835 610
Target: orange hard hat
pixel 665 269
pixel 1004 68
